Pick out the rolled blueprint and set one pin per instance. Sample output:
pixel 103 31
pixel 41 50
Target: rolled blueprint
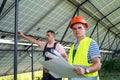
pixel 50 55
pixel 55 52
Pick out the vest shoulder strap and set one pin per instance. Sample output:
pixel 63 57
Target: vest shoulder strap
pixel 53 46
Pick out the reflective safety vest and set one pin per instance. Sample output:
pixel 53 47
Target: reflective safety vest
pixel 80 57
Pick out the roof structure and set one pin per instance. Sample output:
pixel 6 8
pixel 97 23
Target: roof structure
pixel 35 17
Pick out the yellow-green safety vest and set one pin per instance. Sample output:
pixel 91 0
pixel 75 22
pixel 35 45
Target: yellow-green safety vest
pixel 80 57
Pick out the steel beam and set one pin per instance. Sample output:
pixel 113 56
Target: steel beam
pixel 8 10
pixel 2 6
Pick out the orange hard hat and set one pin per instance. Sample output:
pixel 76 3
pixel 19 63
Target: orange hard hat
pixel 78 19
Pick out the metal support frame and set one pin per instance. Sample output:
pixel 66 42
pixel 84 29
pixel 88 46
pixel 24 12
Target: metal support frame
pixel 106 15
pixel 32 69
pixel 108 44
pixel 104 39
pixel 8 10
pixel 114 25
pixel 117 44
pixel 20 50
pixel 68 27
pixel 109 56
pixel 96 26
pixel 106 35
pixel 97 20
pixel 109 47
pixel 98 35
pixel 35 60
pixel 31 45
pixel 2 6
pixel 68 42
pixel 113 41
pixel 94 29
pixel 16 40
pixel 106 55
pixel 76 11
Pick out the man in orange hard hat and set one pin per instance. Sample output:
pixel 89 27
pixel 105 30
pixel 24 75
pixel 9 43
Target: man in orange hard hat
pixel 84 55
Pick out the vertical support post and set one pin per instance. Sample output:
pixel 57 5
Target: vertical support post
pixel 32 62
pixel 97 34
pixel 16 40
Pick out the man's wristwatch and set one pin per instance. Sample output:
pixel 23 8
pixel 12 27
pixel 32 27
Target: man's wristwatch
pixel 87 71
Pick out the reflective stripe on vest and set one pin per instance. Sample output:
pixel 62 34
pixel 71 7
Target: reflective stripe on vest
pixel 80 57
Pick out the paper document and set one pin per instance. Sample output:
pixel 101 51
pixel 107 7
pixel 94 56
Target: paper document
pixel 55 75
pixel 60 68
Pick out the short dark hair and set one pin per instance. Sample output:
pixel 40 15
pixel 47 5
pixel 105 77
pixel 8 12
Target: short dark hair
pixel 51 31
